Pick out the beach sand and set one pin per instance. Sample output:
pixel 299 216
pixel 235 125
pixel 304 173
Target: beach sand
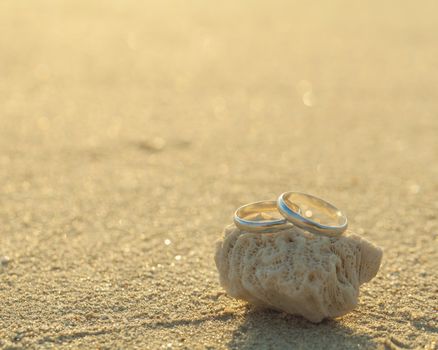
pixel 130 131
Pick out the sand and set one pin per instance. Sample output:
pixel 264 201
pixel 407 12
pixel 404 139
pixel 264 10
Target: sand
pixel 131 130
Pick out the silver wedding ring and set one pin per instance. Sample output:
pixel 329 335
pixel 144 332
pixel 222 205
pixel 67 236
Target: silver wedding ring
pixel 260 217
pixel 312 214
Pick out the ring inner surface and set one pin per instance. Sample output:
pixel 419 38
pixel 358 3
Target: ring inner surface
pixel 315 209
pixel 261 212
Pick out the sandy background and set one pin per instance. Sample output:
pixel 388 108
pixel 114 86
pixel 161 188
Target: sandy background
pixel 131 130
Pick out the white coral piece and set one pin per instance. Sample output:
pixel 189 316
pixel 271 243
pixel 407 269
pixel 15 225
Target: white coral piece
pixel 297 272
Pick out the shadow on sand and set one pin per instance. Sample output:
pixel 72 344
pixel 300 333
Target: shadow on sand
pixel 266 329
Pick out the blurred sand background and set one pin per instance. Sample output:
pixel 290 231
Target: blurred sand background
pixel 131 130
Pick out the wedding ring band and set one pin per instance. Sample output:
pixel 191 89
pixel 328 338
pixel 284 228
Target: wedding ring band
pixel 260 217
pixel 316 215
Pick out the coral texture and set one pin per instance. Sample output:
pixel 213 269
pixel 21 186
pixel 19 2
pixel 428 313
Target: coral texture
pixel 295 271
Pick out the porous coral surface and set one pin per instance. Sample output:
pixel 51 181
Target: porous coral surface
pixel 295 271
